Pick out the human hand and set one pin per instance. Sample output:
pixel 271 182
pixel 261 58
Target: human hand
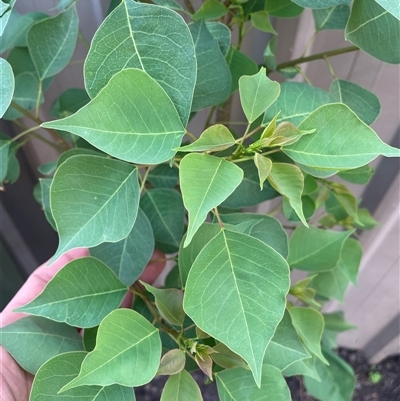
pixel 15 383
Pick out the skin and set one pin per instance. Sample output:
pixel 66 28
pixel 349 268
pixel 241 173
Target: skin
pixel 15 383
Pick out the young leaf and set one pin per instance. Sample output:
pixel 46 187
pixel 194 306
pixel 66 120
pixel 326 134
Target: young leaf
pixel 315 250
pixel 257 93
pixel 166 213
pixel 33 340
pixel 331 18
pixel 52 42
pixel 172 362
pixel 335 145
pixel 320 3
pixel 169 303
pixel 210 9
pixel 81 294
pixel 7 85
pixel 103 187
pixel 45 184
pixel 288 180
pixel 181 387
pixel 369 28
pixel 231 266
pixel 363 102
pixel 238 384
pixel 123 337
pixel 206 181
pixel 123 121
pixel 204 362
pixel 4 147
pixel 151 38
pixel 61 369
pixel 264 166
pixel 128 257
pixel 213 77
pixel 309 325
pixel 214 138
pixel 227 359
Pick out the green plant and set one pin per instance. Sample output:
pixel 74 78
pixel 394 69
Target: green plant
pixel 375 377
pixel 125 180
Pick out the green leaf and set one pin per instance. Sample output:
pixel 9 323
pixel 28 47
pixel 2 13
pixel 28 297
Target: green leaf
pixel 165 211
pixel 172 362
pixel 163 176
pixel 133 126
pixel 227 359
pixel 210 9
pixel 69 102
pixel 391 6
pixel 206 181
pixel 4 147
pixel 363 102
pixel 269 54
pixel 13 169
pixel 229 268
pixel 331 18
pixel 285 347
pixel 32 341
pixel 334 283
pixel 48 168
pixel 151 38
pixel 248 192
pixel 264 166
pixel 7 85
pixel 308 207
pixel 215 138
pixel 374 30
pixel 257 93
pixel 45 184
pixel 81 294
pixel 239 64
pixel 238 384
pixel 103 187
pixel 296 102
pixel 304 367
pixel 334 324
pixel 5 13
pixel 320 3
pixel 172 4
pixel 181 387
pixel 169 303
pixel 337 146
pixel 260 20
pixel 89 338
pixel 360 175
pixel 364 220
pixel 309 325
pixel 61 369
pixel 314 249
pixel 222 34
pixel 288 180
pixel 52 42
pixel 77 152
pixel 213 76
pixel 123 338
pixel 337 380
pixel 282 8
pixel 128 257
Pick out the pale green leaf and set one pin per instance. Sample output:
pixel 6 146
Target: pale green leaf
pixel 4 147
pixel 308 207
pixel 331 18
pixel 374 30
pixel 360 175
pixel 260 20
pixel 61 369
pixel 5 13
pixel 165 211
pixel 123 338
pixel 296 102
pixel 309 324
pixel 363 102
pixel 181 387
pixel 172 4
pixel 213 76
pixel 304 367
pixel 128 257
pixel 285 347
pixel 392 6
pixel 337 146
pixel 33 340
pixel 314 249
pixel 125 122
pixel 81 294
pixel 45 184
pixel 172 362
pixel 222 34
pixel 151 38
pixel 169 303
pixel 163 176
pixel 264 166
pixel 215 138
pixel 77 152
pixel 283 8
pixel 288 180
pixel 238 384
pixel 257 93
pixel 103 187
pixel 210 9
pixel 320 3
pixel 229 268
pixel 7 85
pixel 337 380
pixel 52 42
pixel 206 181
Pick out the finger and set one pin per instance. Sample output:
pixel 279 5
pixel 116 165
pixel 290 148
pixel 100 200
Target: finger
pixel 153 269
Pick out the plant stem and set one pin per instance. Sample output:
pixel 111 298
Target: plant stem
pixel 317 56
pixel 83 40
pixel 221 224
pixel 271 151
pixel 27 131
pixel 194 139
pixel 189 6
pixel 143 183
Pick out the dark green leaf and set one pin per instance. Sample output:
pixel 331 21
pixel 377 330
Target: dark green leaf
pixel 331 18
pixel 283 8
pixel 308 206
pixel 45 184
pixel 163 176
pixel 69 102
pixel 89 338
pixel 4 147
pixel 47 168
pixel 360 175
pixel 226 358
pixel 222 34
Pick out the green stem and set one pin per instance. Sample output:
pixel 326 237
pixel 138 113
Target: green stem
pixel 189 6
pixel 144 179
pixel 83 40
pixel 220 222
pixel 317 56
pixel 27 131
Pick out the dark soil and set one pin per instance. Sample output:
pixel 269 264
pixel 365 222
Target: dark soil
pixel 386 373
